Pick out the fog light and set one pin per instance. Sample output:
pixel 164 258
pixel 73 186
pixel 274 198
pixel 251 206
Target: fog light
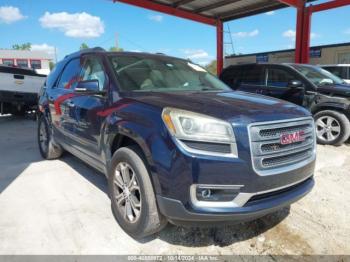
pixel 216 193
pixel 206 193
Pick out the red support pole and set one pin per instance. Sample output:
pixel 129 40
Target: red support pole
pixel 299 34
pixel 305 56
pixel 219 46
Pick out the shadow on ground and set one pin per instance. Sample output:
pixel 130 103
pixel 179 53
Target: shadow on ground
pixel 18 147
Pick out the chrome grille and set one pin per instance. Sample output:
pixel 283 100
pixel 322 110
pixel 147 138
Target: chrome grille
pixel 270 156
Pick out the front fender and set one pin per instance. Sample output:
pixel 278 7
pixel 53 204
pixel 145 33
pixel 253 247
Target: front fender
pixel 144 126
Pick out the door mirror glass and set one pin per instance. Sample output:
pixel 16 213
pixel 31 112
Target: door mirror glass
pixel 88 87
pixel 295 84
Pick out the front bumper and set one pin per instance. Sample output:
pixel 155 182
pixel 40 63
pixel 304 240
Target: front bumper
pixel 178 213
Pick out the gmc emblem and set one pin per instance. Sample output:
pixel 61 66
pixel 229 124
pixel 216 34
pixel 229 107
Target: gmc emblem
pixel 291 138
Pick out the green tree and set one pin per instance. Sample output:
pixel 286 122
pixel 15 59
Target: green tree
pixel 25 46
pixel 51 65
pixel 84 46
pixel 116 49
pixel 212 67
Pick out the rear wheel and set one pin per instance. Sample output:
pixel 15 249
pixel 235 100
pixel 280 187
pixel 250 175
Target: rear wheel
pixel 132 195
pixel 48 149
pixel 332 127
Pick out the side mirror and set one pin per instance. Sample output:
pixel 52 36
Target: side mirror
pixel 295 84
pixel 88 87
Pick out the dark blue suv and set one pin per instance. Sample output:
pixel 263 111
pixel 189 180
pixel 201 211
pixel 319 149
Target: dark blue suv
pixel 175 143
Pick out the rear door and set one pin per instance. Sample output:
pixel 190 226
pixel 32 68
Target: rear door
pixel 252 79
pixel 278 79
pixel 88 109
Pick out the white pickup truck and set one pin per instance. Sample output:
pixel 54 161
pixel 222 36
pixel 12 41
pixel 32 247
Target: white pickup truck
pixel 19 89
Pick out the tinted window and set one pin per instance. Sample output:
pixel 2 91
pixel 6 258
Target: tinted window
pixel 253 76
pixel 279 77
pixel 93 70
pixel 162 74
pixel 317 75
pixel 340 71
pixel 70 75
pixel 52 77
pixel 231 76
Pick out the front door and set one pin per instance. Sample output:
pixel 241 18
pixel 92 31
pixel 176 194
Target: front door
pixel 88 113
pixel 278 79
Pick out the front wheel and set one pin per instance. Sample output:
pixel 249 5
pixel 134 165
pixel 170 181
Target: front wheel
pixel 132 195
pixel 48 149
pixel 332 127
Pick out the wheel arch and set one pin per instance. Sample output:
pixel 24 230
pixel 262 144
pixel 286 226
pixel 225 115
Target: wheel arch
pixel 123 139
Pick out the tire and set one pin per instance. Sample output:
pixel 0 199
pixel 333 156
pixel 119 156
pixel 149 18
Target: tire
pixel 332 127
pixel 143 218
pixel 48 149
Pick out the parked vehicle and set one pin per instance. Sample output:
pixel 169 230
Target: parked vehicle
pixel 19 89
pixel 325 95
pixel 175 143
pixel 340 70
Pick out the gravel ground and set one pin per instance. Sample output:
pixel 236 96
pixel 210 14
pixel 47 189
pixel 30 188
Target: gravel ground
pixel 61 207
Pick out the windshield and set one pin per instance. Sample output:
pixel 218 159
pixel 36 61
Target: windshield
pixel 162 74
pixel 318 75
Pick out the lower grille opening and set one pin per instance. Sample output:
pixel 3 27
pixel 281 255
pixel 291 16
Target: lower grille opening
pixel 277 192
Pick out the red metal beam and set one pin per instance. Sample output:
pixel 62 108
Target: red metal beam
pixel 329 5
pixel 170 11
pixel 219 46
pixel 293 3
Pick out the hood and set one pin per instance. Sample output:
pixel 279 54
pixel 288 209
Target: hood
pixel 342 90
pixel 230 106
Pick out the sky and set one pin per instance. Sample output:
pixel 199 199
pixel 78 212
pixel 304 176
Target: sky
pixel 64 25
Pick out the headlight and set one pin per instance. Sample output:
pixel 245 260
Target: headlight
pixel 190 126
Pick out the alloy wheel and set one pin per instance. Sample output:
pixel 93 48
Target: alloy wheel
pixel 328 128
pixel 127 192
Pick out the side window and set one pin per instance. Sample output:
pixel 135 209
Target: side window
pixel 93 70
pixel 279 77
pixel 339 71
pixel 253 76
pixel 54 74
pixel 70 75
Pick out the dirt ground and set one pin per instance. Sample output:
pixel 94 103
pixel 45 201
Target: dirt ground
pixel 61 207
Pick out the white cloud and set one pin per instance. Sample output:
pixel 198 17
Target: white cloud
pixel 77 25
pixel 291 34
pixel 156 18
pixel 198 56
pixel 195 53
pixel 10 14
pixel 270 13
pixel 246 34
pixel 44 47
pixel 314 35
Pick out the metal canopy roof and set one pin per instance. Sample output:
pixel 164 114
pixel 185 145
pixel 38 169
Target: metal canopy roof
pixel 224 10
